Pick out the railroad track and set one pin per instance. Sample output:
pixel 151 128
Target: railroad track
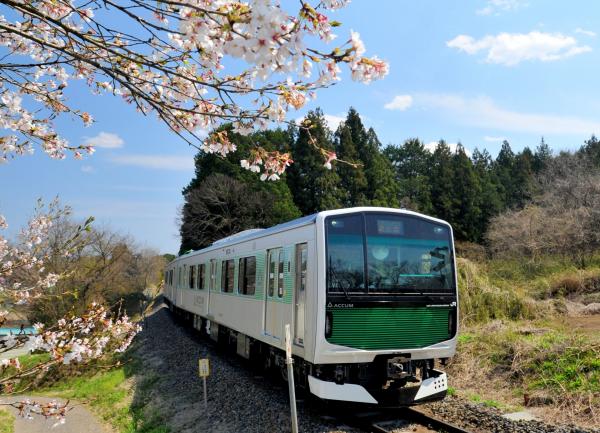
pixel 385 421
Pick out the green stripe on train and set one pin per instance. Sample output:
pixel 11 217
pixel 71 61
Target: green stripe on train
pixel 389 328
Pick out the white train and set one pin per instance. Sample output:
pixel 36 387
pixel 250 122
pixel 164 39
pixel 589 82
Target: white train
pixel 370 294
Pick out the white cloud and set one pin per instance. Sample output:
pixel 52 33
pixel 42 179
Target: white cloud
pixel 160 162
pixel 107 140
pixel 400 102
pixel 332 121
pixel 484 113
pixel 431 146
pixel 494 139
pixel 495 7
pixel 589 33
pixel 509 49
pixel 87 169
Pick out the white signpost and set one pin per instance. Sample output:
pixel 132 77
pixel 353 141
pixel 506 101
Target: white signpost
pixel 203 372
pixel 290 370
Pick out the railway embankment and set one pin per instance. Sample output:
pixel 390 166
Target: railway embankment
pixel 241 399
pixel 530 338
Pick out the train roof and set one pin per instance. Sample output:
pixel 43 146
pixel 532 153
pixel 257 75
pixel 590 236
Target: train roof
pixel 250 234
pixel 254 234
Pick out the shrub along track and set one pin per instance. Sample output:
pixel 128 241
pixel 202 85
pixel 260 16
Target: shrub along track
pixel 243 400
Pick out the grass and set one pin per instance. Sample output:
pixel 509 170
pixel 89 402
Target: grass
pixel 489 403
pixel 118 396
pixel 482 300
pixel 541 363
pixel 513 289
pixel 7 422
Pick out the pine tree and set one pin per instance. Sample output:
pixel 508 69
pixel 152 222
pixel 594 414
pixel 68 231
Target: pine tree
pixel 314 187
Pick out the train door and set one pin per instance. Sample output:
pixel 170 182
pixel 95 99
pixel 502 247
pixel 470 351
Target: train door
pixel 212 281
pixel 274 293
pixel 300 293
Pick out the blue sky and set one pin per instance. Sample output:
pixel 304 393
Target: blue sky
pixel 476 72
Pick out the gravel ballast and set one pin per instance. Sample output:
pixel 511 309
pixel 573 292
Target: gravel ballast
pixel 242 400
pixel 480 418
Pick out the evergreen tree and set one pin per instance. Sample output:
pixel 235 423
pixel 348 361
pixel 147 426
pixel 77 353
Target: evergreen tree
pixel 503 171
pixel 541 157
pixel 490 195
pixel 277 197
pixel 352 179
pixel 466 190
pixel 372 182
pixel 522 178
pixel 314 187
pixel 591 150
pixel 411 163
pixel 442 194
pixel 382 187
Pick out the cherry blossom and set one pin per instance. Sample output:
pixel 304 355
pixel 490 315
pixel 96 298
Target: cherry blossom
pixel 331 156
pixel 22 265
pixel 195 64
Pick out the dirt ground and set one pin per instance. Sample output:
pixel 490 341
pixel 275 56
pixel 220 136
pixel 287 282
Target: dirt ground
pixel 587 324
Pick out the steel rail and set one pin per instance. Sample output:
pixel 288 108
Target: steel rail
pixel 374 421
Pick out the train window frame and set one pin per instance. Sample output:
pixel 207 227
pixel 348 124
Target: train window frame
pixel 246 282
pixel 201 276
pixel 213 275
pixel 192 277
pixel 227 275
pixel 281 274
pixel 271 279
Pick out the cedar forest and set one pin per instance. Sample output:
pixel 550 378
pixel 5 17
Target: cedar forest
pixel 469 191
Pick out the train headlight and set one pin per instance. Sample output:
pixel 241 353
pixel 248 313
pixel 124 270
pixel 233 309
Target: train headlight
pixel 328 324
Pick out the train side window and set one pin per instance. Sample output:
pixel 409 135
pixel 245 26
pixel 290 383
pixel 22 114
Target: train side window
pixel 247 276
pixel 201 275
pixel 213 274
pixel 272 270
pixel 192 279
pixel 280 275
pixel 179 276
pixel 227 273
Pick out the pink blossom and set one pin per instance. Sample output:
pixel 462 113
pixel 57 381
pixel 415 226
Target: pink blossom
pixel 331 156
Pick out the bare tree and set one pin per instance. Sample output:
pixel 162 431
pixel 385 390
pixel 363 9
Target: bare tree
pixel 564 219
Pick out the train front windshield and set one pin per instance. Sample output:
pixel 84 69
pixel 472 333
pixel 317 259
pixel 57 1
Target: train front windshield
pixel 372 253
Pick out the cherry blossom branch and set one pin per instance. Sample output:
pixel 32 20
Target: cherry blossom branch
pixel 170 61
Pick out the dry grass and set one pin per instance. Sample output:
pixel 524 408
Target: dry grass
pixel 481 300
pixel 536 364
